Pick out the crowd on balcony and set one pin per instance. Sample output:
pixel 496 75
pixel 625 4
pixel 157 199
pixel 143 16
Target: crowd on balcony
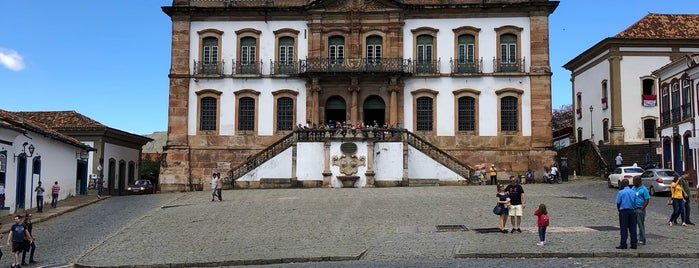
pixel 344 129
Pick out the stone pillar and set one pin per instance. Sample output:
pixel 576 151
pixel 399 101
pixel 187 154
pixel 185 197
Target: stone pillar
pixel 616 135
pixel 354 89
pixel 327 173
pixel 313 108
pixel 176 172
pixel 369 165
pixel 393 88
pixel 540 77
pixel 405 163
pixel 294 154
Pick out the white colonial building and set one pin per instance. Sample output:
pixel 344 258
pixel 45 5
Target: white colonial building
pixel 615 94
pixel 468 80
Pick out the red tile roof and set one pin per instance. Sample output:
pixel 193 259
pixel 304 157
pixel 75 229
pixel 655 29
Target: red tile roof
pixel 663 26
pixel 19 123
pixel 63 120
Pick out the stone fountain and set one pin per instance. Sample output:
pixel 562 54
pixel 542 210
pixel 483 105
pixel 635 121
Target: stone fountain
pixel 348 163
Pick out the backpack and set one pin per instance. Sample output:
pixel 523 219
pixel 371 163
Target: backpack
pixel 545 220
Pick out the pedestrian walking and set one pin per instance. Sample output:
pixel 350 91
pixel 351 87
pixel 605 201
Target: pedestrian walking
pixel 29 245
pixel 100 186
pixel 219 186
pixel 542 221
pixel 39 197
pixel 625 200
pixel 618 160
pixel 685 187
pixel 214 182
pixel 15 240
pixel 677 195
pixel 517 204
pixel 503 201
pixel 55 190
pixel 493 175
pixel 641 202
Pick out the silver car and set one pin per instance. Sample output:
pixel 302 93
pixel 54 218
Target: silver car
pixel 658 180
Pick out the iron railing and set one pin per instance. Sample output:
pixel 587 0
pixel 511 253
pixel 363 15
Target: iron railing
pixel 426 67
pixel 283 68
pixel 383 65
pixel 466 66
pixel 212 68
pixel 509 66
pixel 247 67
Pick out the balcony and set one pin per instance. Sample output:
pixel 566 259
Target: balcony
pixel 363 65
pixel 508 66
pixel 665 118
pixel 686 111
pixel 247 67
pixel 284 68
pixel 426 67
pixel 466 67
pixel 208 68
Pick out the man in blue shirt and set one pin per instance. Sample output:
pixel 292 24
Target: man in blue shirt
pixel 625 203
pixel 642 200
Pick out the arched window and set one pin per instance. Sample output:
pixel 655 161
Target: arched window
pixel 285 113
pixel 285 60
pixel 509 114
pixel 207 113
pixel 424 113
pixel 374 49
pixel 248 55
pixel 425 58
pixel 210 56
pixel 508 53
pixel 467 114
pixel 605 129
pixel 466 50
pixel 336 49
pixel 246 113
pixel 649 126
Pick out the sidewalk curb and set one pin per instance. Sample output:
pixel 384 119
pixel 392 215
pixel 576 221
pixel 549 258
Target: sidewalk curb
pixel 49 215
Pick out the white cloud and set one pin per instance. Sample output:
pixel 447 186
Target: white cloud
pixel 11 59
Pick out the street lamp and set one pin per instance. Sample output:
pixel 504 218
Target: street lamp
pixel 592 133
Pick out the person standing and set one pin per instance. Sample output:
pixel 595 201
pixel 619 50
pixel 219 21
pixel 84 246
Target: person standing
pixel 493 175
pixel 687 193
pixel 39 197
pixel 625 202
pixel 29 245
pixel 677 195
pixel 100 186
pixel 219 186
pixel 618 160
pixel 16 239
pixel 55 190
pixel 542 221
pixel 503 200
pixel 517 204
pixel 641 202
pixel 214 183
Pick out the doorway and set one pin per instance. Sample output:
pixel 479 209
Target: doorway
pixel 21 181
pixel 336 109
pixel 374 111
pixel 81 178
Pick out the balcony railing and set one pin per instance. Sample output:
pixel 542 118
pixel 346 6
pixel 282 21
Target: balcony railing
pixel 665 118
pixel 284 68
pixel 508 66
pixel 211 68
pixel 686 111
pixel 675 114
pixel 247 67
pixel 426 67
pixel 363 65
pixel 466 67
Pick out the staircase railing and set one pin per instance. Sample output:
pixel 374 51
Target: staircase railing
pixel 377 134
pixel 259 158
pixel 440 156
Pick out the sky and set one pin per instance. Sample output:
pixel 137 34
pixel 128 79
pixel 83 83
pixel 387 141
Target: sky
pixel 109 60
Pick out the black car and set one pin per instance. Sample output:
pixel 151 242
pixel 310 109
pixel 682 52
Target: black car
pixel 141 187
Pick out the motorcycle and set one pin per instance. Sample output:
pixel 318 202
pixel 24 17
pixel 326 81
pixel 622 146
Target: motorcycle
pixel 548 178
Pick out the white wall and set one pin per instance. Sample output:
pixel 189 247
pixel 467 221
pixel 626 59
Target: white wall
pixel 421 166
pixel 277 167
pixel 388 161
pixel 119 153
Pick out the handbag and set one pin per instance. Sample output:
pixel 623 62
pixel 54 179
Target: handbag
pixel 497 210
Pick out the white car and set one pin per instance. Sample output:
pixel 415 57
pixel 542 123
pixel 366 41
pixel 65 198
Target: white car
pixel 621 173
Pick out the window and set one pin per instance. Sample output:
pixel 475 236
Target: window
pixel 686 100
pixel 207 117
pixel 580 136
pixel 604 95
pixel 665 106
pixel 605 129
pixel 466 52
pixel 467 114
pixel 424 113
pixel 209 53
pixel 248 55
pixel 208 110
pixel 246 113
pixel 648 86
pixel 649 128
pixel 508 53
pixel 373 49
pixel 424 63
pixel 336 49
pixel 285 113
pixel 509 115
pixel 285 63
pixel 675 99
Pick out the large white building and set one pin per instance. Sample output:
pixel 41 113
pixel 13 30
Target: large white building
pixel 615 94
pixel 469 79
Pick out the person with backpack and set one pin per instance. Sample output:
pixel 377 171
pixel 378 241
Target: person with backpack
pixel 542 221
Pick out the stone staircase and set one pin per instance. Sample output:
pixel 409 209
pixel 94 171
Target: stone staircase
pixel 378 135
pixel 631 153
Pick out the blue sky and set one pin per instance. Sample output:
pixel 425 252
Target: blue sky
pixel 109 60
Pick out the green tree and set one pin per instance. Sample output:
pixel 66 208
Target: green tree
pixel 150 168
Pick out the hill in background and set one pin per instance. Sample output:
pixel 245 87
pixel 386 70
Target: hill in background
pixel 155 146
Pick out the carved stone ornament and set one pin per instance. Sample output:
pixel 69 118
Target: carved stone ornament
pixel 349 161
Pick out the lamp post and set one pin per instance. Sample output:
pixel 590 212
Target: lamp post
pixel 592 133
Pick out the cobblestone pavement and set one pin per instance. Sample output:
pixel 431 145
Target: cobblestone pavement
pixel 374 225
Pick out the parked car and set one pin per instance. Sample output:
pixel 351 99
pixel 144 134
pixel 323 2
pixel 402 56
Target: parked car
pixel 658 180
pixel 621 173
pixel 141 187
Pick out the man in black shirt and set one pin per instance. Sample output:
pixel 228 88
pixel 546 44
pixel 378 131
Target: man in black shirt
pixel 518 202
